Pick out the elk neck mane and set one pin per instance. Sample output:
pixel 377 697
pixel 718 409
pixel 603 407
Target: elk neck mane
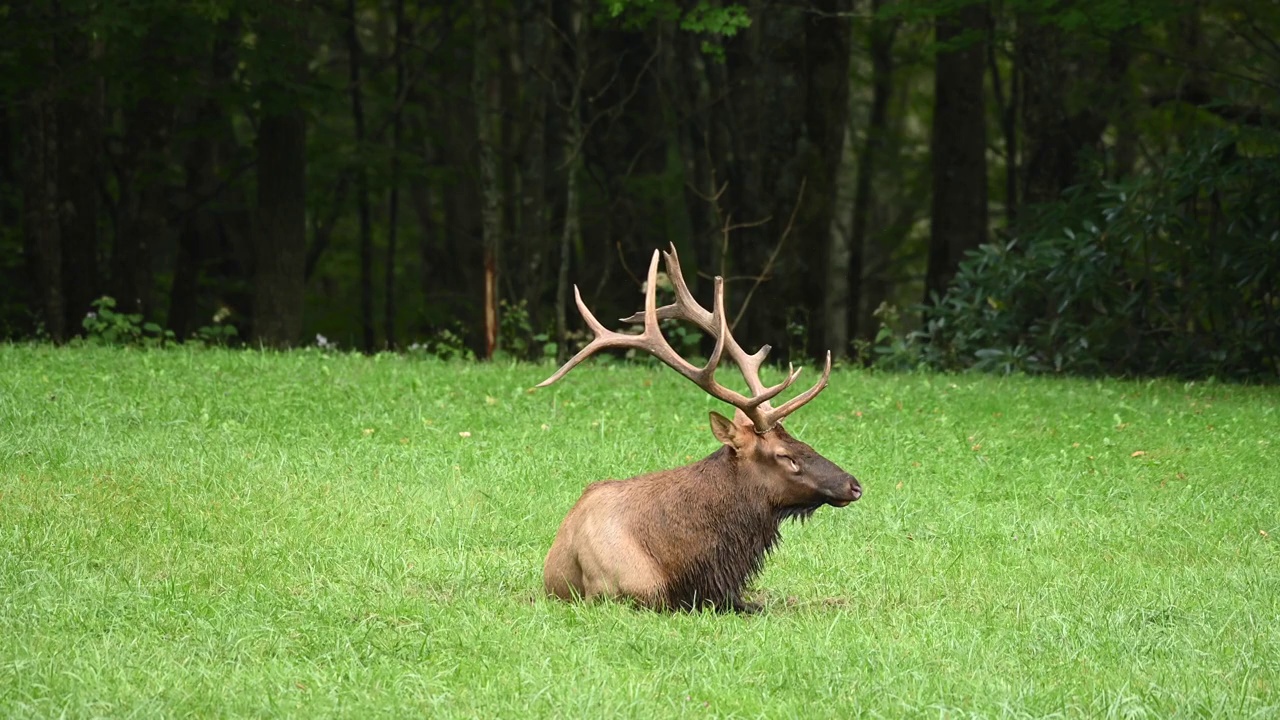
pixel 736 530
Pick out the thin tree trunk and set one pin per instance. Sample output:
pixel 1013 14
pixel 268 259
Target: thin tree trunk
pixel 827 47
pixel 41 212
pixel 198 236
pixel 486 90
pixel 143 226
pixel 880 38
pixel 281 224
pixel 573 139
pixel 568 239
pixel 193 237
pixel 355 56
pixel 279 289
pixel 533 170
pixel 80 142
pixel 1007 112
pixel 393 201
pixel 958 149
pixel 839 304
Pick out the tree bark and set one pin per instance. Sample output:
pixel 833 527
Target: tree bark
pixel 568 238
pixel 486 91
pixel 195 234
pixel 79 160
pixel 198 237
pixel 573 141
pixel 532 227
pixel 880 38
pixel 142 228
pixel 280 251
pixel 281 221
pixel 827 40
pixel 354 58
pixel 1054 133
pixel 41 212
pixel 1007 112
pixel 393 199
pixel 840 298
pixel 958 148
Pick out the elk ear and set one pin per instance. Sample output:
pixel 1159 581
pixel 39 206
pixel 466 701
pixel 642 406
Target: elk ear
pixel 726 431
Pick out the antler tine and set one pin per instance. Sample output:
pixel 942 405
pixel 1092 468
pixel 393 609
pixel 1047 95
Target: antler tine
pixel 596 344
pixel 652 342
pixel 756 407
pixel 685 307
pixel 722 332
pixel 775 415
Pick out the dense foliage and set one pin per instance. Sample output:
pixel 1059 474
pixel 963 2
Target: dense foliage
pixel 402 173
pixel 1176 272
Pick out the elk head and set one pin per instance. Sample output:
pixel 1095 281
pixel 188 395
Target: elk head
pixel 796 478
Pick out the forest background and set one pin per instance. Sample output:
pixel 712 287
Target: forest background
pixel 1069 186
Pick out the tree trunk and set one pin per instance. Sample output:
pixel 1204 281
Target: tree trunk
pixel 41 213
pixel 354 56
pixel 827 38
pixel 280 251
pixel 279 284
pixel 198 238
pixel 880 44
pixel 839 304
pixel 568 238
pixel 533 220
pixel 393 200
pixel 196 232
pixel 1007 113
pixel 142 228
pixel 958 147
pixel 1056 122
pixel 573 141
pixel 80 143
pixel 486 92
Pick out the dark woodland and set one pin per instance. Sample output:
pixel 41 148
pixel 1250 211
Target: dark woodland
pixel 1071 186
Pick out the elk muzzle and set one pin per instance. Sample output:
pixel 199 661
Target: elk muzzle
pixel 843 491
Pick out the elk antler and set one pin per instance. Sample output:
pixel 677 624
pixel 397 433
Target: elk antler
pixel 756 407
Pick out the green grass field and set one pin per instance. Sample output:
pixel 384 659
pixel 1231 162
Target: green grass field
pixel 215 533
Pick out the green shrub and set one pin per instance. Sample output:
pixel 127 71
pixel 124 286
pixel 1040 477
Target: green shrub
pixel 105 325
pixel 1170 273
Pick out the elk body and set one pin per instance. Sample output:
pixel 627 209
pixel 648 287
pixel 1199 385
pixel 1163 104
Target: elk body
pixel 694 536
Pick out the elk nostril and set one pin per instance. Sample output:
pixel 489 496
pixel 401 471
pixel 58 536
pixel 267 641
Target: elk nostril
pixel 856 488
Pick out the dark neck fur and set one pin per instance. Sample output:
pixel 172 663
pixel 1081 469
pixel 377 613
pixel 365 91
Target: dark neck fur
pixel 733 528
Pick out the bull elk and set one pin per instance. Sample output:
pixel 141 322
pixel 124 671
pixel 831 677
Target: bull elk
pixel 694 536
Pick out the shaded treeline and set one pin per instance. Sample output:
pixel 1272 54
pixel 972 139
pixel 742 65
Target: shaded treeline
pixel 388 172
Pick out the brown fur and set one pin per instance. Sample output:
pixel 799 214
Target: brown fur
pixel 694 536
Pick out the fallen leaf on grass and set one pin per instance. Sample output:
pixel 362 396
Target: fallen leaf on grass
pixel 367 432
pixel 464 434
pixel 1264 533
pixel 1138 453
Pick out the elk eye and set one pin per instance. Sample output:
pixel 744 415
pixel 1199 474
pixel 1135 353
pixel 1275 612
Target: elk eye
pixel 790 461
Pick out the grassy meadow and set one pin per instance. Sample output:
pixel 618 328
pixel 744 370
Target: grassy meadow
pixel 212 533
